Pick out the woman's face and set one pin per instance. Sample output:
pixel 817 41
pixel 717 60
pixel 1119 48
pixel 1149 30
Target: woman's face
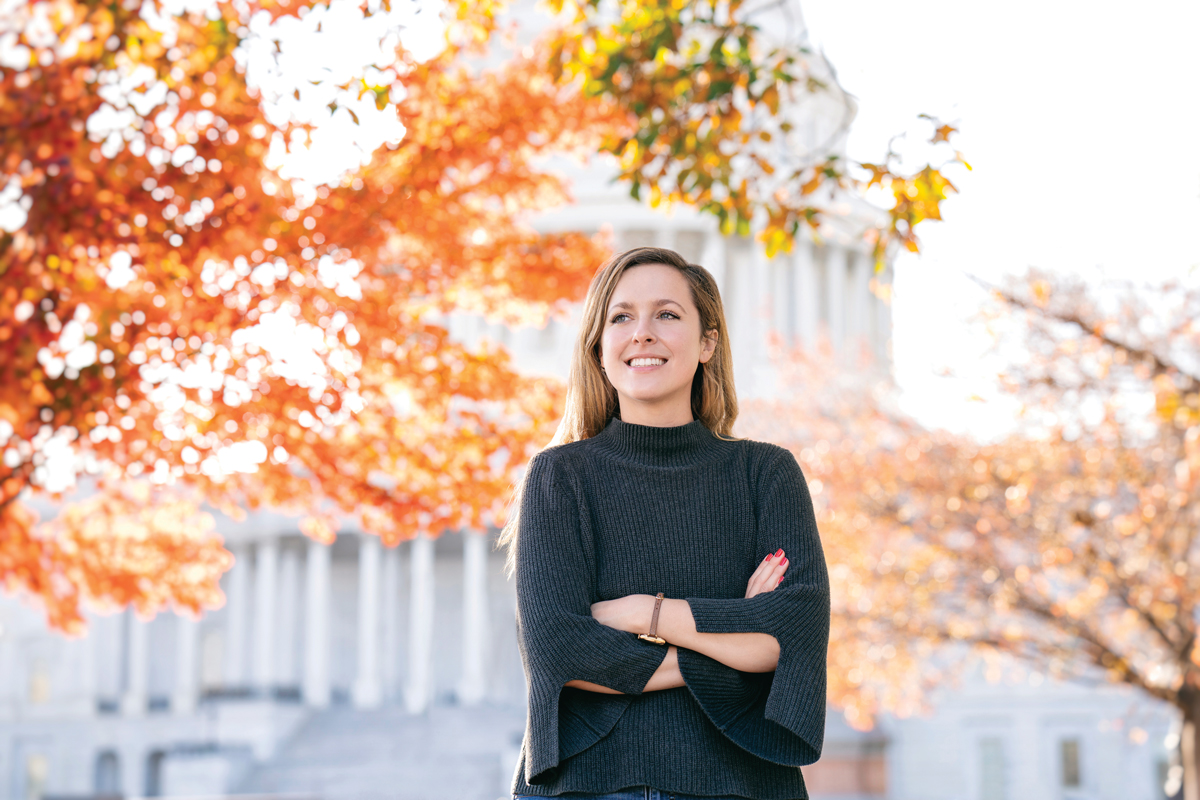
pixel 652 344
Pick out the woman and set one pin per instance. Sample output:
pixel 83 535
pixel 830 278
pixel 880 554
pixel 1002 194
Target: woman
pixel 644 491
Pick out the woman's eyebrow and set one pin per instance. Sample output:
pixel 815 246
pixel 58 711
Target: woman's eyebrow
pixel 663 302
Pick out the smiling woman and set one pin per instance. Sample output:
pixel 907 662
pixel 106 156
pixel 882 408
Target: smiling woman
pixel 652 345
pixel 672 595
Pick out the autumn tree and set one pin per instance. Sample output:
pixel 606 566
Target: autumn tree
pixel 1070 543
pixel 179 314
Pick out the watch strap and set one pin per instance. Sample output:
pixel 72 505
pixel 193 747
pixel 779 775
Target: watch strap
pixel 652 634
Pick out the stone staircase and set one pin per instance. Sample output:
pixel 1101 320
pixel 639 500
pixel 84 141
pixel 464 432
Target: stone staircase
pixel 448 753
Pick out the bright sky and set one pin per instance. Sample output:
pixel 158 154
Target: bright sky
pixel 1082 124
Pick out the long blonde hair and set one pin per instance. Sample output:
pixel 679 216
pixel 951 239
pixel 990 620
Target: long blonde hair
pixel 592 402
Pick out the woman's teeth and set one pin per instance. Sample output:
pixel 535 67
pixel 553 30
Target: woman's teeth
pixel 646 362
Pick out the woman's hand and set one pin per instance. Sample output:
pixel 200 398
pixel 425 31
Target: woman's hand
pixel 630 613
pixel 768 575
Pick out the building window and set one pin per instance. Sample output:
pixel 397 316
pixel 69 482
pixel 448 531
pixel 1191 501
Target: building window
pixel 154 773
pixel 1069 760
pixel 39 682
pixel 37 771
pixel 991 769
pixel 108 774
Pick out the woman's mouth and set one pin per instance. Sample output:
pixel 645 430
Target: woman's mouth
pixel 646 362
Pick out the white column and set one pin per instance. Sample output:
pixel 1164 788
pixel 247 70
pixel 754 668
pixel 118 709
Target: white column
pixel 102 631
pixel 618 237
pixel 187 639
pixel 714 259
pixel 367 693
pixel 859 326
pixel 737 293
pixel 883 320
pixel 236 617
pixel 782 278
pixel 266 567
pixel 137 666
pixel 806 302
pixel 316 639
pixel 85 690
pixel 286 673
pixel 755 284
pixel 835 273
pixel 473 687
pixel 665 238
pixel 420 626
pixel 389 665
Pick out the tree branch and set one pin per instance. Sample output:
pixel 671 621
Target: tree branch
pixel 1083 632
pixel 1160 364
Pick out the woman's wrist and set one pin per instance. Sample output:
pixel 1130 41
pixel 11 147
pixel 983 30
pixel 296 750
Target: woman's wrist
pixel 667 676
pixel 634 613
pixel 675 622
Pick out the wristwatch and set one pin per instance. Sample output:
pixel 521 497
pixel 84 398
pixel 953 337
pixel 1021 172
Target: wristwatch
pixel 651 635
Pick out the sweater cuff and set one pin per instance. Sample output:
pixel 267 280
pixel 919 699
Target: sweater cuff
pixel 736 702
pixel 626 666
pixel 739 615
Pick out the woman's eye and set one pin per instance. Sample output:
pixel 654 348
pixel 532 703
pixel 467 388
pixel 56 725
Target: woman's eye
pixel 670 314
pixel 618 318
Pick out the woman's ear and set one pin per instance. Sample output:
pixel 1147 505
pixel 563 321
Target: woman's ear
pixel 708 345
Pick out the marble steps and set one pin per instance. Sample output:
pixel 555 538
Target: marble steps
pixel 386 754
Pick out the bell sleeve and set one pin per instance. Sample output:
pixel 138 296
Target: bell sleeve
pixel 778 716
pixel 558 638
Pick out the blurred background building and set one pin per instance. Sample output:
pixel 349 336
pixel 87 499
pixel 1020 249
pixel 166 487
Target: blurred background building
pixel 357 671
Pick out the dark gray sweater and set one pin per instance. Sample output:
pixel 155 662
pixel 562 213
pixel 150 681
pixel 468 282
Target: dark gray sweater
pixel 641 510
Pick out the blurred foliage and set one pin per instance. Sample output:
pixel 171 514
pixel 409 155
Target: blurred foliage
pixel 717 113
pixel 1070 543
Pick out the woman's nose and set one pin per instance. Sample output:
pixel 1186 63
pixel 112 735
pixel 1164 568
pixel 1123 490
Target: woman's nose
pixel 643 334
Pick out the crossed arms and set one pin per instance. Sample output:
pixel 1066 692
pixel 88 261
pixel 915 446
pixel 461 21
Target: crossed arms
pixel 746 652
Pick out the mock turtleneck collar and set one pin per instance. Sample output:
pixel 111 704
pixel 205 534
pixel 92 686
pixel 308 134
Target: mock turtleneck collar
pixel 683 445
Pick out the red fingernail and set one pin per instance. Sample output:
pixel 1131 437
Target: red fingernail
pixel 779 581
pixel 779 552
pixel 769 557
pixel 784 561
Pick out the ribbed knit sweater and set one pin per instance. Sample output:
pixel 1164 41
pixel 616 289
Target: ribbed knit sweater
pixel 642 510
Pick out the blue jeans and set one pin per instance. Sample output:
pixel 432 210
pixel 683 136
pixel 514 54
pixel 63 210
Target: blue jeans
pixel 635 793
